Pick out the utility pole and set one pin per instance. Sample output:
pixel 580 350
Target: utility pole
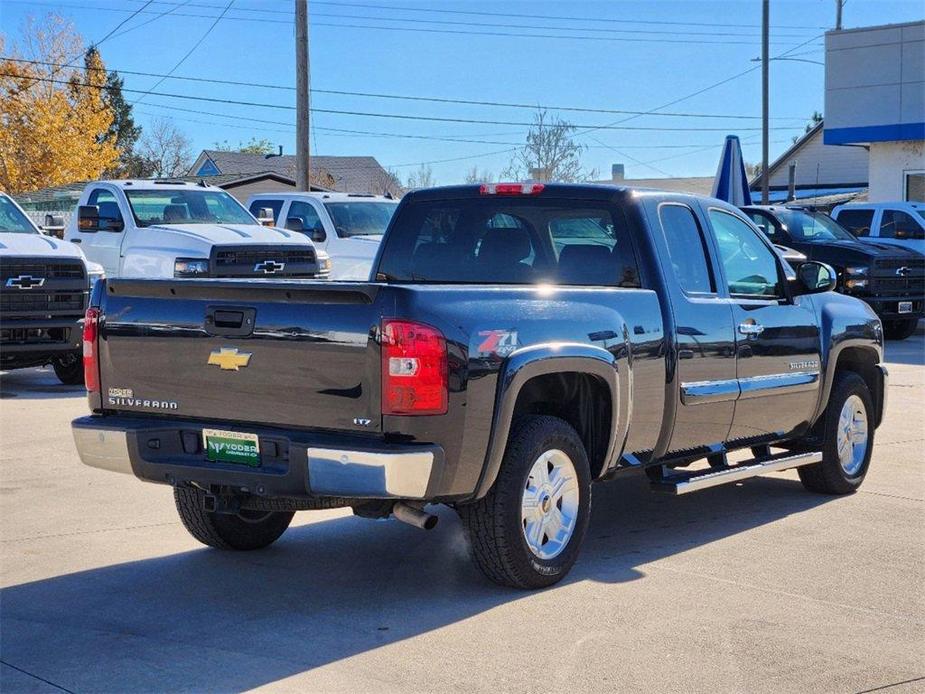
pixel 838 7
pixel 302 95
pixel 765 27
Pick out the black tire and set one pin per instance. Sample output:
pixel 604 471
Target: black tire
pixel 69 369
pixel 899 329
pixel 829 477
pixel 495 523
pixel 245 531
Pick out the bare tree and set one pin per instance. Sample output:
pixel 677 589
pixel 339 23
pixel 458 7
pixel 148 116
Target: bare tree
pixel 382 182
pixel 551 152
pixel 473 175
pixel 163 151
pixel 422 178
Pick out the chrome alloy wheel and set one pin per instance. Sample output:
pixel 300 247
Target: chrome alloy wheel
pixel 549 506
pixel 851 435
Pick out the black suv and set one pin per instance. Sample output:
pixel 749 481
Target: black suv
pixel 890 279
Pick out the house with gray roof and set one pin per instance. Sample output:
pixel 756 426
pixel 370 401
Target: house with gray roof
pixel 341 174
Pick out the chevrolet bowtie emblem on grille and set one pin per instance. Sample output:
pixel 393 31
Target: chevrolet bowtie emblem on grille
pixel 268 267
pixel 229 359
pixel 25 282
pixel 903 271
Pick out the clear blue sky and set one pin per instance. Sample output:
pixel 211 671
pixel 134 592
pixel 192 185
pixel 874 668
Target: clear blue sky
pixel 447 54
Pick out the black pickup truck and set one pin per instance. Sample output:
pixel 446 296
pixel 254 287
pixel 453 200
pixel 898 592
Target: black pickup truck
pixel 889 278
pixel 519 341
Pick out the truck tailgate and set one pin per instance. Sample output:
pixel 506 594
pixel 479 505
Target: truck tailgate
pixel 294 353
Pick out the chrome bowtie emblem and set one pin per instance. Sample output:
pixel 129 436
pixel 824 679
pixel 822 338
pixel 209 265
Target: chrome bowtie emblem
pixel 903 271
pixel 25 282
pixel 268 267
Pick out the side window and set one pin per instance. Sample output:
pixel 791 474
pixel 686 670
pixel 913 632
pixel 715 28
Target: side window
pixel 750 266
pixel 897 224
pixel 307 213
pixel 110 214
pixel 687 248
pixel 856 221
pixel 275 205
pixel 766 225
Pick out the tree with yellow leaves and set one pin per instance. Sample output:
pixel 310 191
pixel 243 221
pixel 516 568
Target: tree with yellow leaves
pixel 54 121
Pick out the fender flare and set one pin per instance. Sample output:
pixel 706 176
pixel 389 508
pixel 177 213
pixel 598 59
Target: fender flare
pixel 539 360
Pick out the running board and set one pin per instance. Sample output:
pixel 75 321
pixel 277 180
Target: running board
pixel 684 483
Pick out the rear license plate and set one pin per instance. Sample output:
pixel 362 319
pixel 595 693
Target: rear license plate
pixel 231 447
pixel 905 307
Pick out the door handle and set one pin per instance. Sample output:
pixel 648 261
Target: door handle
pixel 750 327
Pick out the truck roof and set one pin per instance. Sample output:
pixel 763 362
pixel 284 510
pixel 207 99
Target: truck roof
pixel 154 184
pixel 331 197
pixel 586 191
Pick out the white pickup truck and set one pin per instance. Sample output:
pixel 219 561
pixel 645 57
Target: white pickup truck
pixel 167 229
pixel 348 226
pixel 43 295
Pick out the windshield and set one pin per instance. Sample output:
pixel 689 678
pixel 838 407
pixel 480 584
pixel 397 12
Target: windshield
pixel 814 226
pixel 360 218
pixel 12 220
pixel 186 207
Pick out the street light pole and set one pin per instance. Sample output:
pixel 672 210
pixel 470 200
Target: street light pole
pixel 765 27
pixel 302 95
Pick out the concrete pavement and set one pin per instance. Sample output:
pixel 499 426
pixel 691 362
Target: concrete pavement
pixel 758 587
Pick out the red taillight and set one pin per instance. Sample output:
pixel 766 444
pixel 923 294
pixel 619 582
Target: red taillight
pixel 414 371
pixel 511 188
pixel 91 352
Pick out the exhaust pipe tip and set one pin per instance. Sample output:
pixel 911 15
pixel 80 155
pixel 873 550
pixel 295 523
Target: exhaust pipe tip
pixel 414 516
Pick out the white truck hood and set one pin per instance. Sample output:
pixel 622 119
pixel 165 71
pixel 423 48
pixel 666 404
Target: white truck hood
pixel 12 245
pixel 228 234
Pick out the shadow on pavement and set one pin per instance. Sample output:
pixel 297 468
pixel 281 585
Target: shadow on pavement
pixel 36 384
pixel 209 620
pixel 909 351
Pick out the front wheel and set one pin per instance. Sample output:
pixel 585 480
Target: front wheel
pixel 69 369
pixel 527 531
pixel 900 329
pixel 847 436
pixel 244 530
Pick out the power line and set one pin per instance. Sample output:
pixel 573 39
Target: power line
pixel 380 27
pixel 343 132
pixel 539 16
pixel 406 97
pixel 188 53
pixel 369 114
pixel 703 89
pixel 735 30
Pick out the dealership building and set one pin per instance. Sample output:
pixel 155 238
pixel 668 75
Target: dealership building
pixel 875 99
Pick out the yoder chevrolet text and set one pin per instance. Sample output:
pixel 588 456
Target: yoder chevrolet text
pixel 517 343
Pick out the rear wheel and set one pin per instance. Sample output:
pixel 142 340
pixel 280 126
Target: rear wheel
pixel 527 531
pixel 69 369
pixel 244 530
pixel 848 439
pixel 900 329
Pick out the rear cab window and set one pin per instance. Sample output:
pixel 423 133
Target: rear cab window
pixel 687 248
pixel 510 240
